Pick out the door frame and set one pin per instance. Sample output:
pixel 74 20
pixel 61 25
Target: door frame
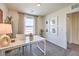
pixel 69 37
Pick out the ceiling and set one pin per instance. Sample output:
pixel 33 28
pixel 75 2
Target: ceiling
pixel 32 8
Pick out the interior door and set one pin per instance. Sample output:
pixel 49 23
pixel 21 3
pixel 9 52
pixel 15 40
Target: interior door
pixel 1 16
pixel 74 17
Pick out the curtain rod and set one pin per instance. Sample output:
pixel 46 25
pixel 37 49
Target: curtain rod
pixel 27 14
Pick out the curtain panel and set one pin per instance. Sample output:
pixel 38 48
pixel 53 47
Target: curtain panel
pixel 21 23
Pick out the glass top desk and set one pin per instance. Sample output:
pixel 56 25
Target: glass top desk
pixel 21 41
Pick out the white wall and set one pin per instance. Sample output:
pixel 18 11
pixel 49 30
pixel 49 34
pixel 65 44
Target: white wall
pixel 59 39
pixel 4 8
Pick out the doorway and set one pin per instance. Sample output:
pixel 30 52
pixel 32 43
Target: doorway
pixel 73 29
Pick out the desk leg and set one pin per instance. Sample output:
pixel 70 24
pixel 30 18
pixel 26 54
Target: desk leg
pixel 23 50
pixel 30 48
pixel 42 50
pixel 44 47
pixel 20 51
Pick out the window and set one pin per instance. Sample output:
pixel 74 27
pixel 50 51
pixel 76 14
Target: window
pixel 29 25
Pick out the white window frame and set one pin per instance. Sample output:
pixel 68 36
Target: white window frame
pixel 27 16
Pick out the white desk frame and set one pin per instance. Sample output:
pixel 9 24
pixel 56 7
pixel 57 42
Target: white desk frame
pixel 20 43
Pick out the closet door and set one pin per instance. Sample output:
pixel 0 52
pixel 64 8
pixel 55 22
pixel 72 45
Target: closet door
pixel 1 16
pixel 78 28
pixel 75 30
